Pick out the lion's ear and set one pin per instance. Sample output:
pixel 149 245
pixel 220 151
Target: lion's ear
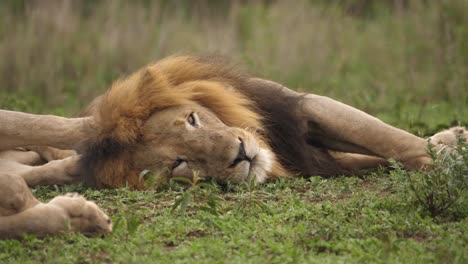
pixel 146 80
pixel 127 105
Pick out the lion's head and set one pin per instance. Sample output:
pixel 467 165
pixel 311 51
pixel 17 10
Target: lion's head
pixel 178 116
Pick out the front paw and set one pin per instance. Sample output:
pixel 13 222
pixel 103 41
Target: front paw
pixel 85 216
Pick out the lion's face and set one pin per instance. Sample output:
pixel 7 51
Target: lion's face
pixel 181 140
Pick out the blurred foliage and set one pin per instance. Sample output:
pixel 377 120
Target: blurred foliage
pixel 403 61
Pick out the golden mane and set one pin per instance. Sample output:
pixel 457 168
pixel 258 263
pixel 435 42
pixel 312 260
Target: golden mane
pixel 174 81
pixel 171 82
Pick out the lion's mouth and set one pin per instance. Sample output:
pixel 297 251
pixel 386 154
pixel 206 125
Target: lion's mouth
pixel 258 167
pixel 252 161
pixel 261 165
pixel 241 155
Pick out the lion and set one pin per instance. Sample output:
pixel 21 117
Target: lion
pixel 187 115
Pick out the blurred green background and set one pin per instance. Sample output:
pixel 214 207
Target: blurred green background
pixel 405 61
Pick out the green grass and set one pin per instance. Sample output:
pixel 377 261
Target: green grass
pixel 379 217
pixel 311 220
pixel 405 65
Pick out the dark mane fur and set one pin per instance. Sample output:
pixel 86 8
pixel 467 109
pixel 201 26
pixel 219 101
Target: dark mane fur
pixel 287 134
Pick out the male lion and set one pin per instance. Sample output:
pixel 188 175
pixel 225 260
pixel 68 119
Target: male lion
pixel 185 114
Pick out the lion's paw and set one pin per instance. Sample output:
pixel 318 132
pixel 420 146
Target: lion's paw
pixel 446 140
pixel 450 136
pixel 85 216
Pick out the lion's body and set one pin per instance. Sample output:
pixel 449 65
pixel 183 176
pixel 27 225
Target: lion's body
pixel 186 115
pixel 236 99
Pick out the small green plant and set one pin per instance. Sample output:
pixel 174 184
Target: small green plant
pixel 252 199
pixel 154 180
pixel 442 191
pixel 196 194
pixel 127 225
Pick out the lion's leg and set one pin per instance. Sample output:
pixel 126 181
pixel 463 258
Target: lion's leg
pixel 49 153
pixel 55 172
pixel 340 127
pixel 15 195
pixel 21 129
pixel 21 213
pixel 22 156
pixel 352 161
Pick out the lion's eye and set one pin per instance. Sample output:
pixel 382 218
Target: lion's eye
pixel 192 119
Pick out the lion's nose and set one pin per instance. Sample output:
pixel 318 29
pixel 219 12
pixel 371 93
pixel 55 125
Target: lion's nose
pixel 241 155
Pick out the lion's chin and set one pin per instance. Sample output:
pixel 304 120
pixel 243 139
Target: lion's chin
pixel 259 168
pixel 261 165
